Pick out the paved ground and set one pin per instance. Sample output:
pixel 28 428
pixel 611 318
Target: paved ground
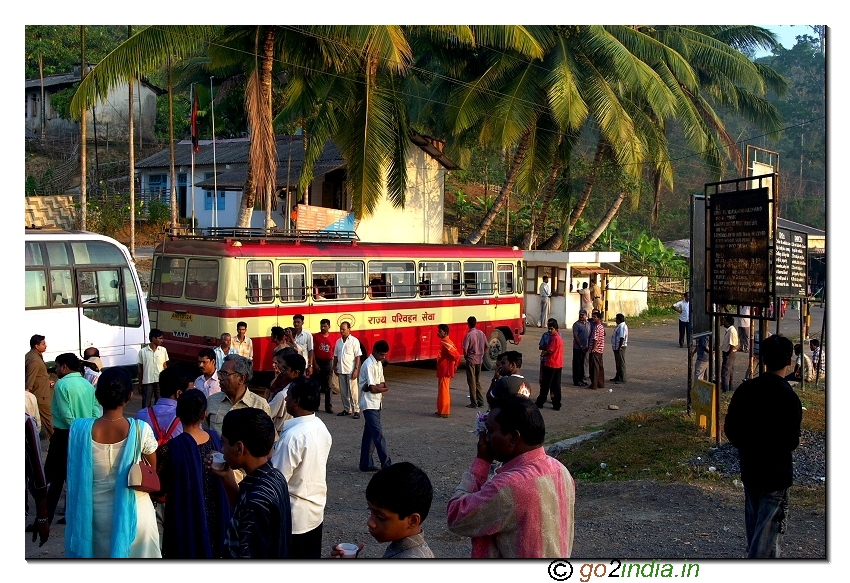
pixel 625 519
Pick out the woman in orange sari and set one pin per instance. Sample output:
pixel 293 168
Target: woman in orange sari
pixel 447 362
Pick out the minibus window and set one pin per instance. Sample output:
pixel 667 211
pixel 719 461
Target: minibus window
pixel 291 282
pixel 202 279
pixel 260 282
pixel 168 277
pixel 33 255
pixel 99 293
pixel 36 289
pixel 131 296
pixel 57 254
pixel 61 287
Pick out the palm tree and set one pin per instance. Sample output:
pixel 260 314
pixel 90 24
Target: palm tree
pixel 627 82
pixel 531 103
pixel 143 53
pixel 349 83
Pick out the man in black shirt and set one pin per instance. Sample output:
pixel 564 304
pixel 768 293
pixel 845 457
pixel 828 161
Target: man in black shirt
pixel 261 526
pixel 508 380
pixel 763 422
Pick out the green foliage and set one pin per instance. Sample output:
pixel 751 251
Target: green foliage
pixel 109 215
pixel 648 256
pixel 31 186
pixel 158 212
pixel 61 101
pixel 646 445
pixel 59 46
pixel 462 205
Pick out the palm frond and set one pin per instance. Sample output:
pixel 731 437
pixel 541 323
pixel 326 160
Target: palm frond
pixel 144 52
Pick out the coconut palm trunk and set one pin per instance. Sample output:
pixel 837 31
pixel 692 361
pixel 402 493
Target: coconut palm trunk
pixel 603 224
pixel 510 179
pixel 601 146
pixel 262 155
pixel 548 195
pixel 83 134
pixel 171 154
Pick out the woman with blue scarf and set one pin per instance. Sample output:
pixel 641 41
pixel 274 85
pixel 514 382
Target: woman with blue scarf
pixel 106 518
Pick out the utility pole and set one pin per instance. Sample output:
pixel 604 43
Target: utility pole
pixel 83 133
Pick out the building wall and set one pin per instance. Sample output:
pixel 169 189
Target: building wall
pixel 421 219
pixel 111 114
pixel 55 212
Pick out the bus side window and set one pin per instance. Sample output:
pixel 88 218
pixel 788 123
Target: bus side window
pixel 203 274
pixel 291 278
pixel 318 289
pixel 36 289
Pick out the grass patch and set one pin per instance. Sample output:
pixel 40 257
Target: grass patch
pixel 644 445
pixel 813 401
pixel 653 316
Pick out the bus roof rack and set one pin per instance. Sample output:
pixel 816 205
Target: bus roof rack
pixel 246 233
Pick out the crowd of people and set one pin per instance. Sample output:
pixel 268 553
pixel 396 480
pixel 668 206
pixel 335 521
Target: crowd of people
pixel 240 475
pixel 243 475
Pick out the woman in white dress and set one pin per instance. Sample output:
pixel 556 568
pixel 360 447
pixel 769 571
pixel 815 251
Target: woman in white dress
pixel 106 518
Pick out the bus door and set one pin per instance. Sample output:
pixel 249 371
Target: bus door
pixel 505 289
pixel 100 306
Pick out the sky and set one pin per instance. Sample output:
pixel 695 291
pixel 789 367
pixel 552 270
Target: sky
pixel 787 34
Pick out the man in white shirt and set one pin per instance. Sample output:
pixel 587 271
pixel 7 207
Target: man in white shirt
pixel 92 365
pixel 743 324
pixel 545 293
pixel 372 389
pixel 347 366
pixel 619 342
pixel 301 455
pixel 305 340
pixel 207 382
pixel 728 348
pixel 684 309
pixel 152 361
pixel 242 343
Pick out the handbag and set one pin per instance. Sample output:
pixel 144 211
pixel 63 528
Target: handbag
pixel 333 382
pixel 142 475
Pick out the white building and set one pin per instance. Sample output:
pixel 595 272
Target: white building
pixel 220 176
pixel 109 117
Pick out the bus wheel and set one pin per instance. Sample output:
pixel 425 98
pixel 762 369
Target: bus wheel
pixel 497 346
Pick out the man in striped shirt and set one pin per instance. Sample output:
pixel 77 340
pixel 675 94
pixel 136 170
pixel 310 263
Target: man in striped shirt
pixel 527 509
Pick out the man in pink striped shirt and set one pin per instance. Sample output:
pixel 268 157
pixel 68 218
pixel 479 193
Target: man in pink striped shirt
pixel 526 509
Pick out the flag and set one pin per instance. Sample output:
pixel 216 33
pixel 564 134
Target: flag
pixel 195 146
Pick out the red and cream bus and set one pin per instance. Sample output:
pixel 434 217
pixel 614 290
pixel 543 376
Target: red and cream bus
pixel 201 286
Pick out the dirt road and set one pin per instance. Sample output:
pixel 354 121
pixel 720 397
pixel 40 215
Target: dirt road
pixel 619 519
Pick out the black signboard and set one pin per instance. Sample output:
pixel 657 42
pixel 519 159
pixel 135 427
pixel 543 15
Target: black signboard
pixel 739 270
pixel 791 263
pixel 700 320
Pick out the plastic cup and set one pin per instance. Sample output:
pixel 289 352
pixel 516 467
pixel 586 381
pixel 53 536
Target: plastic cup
pixel 349 550
pixel 218 461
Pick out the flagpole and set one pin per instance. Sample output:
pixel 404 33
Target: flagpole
pixel 192 146
pixel 215 172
